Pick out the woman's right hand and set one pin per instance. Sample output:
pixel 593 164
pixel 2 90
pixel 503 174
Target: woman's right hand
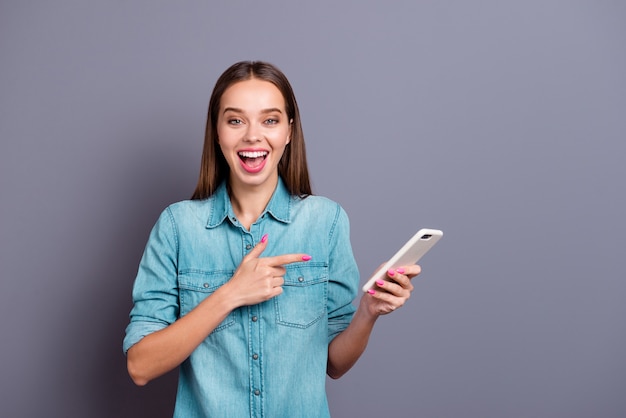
pixel 257 278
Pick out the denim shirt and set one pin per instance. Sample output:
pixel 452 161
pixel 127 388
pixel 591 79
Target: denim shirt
pixel 266 360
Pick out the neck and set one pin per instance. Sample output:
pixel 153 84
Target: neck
pixel 249 202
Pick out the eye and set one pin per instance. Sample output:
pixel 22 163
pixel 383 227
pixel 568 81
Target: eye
pixel 271 121
pixel 235 121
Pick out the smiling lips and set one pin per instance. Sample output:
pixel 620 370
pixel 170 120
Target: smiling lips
pixel 253 161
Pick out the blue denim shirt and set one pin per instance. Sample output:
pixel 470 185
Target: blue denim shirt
pixel 266 360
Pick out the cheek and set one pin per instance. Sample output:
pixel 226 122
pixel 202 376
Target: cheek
pixel 224 139
pixel 284 137
pixel 223 147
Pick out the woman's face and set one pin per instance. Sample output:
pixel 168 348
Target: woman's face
pixel 253 130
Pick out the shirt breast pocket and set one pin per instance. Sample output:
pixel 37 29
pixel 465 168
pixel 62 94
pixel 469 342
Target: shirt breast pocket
pixel 305 291
pixel 195 286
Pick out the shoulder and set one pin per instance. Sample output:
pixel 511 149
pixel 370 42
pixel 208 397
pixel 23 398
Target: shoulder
pixel 312 202
pixel 188 212
pixel 320 208
pixel 186 206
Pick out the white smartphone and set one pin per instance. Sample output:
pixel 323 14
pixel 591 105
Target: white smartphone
pixel 410 253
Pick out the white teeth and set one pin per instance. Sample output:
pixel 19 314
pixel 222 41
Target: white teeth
pixel 252 154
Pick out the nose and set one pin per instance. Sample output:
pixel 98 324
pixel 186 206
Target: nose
pixel 253 133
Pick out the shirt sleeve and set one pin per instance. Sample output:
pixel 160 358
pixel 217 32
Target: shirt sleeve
pixel 343 276
pixel 155 292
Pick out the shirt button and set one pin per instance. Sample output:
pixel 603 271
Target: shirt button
pixel 257 392
pixel 300 279
pixel 254 319
pixel 255 356
pixel 248 246
pixel 205 285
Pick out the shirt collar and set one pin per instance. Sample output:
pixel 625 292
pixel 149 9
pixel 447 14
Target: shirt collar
pixel 279 205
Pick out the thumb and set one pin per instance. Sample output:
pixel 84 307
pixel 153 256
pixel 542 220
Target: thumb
pixel 258 249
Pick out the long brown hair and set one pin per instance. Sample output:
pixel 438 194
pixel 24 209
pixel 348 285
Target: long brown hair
pixel 292 167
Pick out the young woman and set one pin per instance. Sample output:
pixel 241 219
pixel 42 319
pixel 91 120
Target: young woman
pixel 248 287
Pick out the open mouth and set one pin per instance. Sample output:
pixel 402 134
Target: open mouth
pixel 252 160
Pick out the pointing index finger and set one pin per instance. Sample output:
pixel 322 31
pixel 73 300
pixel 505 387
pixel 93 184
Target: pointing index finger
pixel 280 260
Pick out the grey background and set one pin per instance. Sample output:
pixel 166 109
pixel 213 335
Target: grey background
pixel 500 122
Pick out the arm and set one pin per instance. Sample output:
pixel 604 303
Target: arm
pixel 164 350
pixel 345 349
pixel 255 280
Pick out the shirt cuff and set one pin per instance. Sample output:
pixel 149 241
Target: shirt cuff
pixel 135 331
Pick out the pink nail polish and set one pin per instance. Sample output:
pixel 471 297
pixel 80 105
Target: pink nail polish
pixel 264 238
pixel 380 282
pixel 400 270
pixel 371 291
pixel 306 257
pixel 391 272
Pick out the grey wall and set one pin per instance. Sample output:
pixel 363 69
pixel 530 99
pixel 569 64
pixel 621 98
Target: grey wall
pixel 500 122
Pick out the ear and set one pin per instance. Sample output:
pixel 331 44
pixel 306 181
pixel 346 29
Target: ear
pixel 290 128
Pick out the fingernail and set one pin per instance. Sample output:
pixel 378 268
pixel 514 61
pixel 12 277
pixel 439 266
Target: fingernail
pixel 371 291
pixel 379 282
pixel 391 272
pixel 264 238
pixel 306 257
pixel 400 270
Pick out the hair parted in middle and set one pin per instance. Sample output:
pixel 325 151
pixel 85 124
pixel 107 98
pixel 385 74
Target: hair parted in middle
pixel 292 167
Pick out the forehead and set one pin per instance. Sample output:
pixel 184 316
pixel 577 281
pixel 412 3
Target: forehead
pixel 253 94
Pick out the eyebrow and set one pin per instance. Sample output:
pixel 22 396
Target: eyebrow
pixel 237 110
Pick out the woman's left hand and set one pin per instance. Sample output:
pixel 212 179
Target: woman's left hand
pixel 386 296
pixel 390 294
